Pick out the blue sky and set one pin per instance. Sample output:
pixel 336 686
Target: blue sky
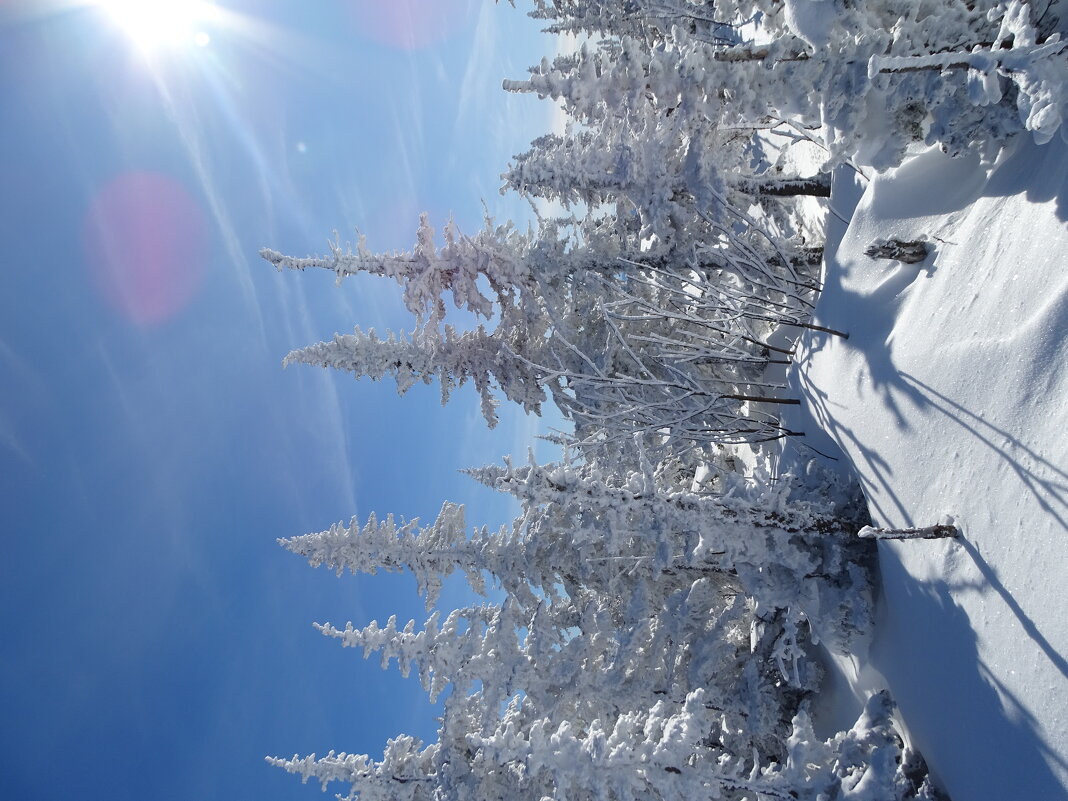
pixel 157 643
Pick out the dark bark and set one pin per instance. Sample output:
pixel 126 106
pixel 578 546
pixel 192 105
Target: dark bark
pixel 817 186
pixel 908 252
pixel 937 532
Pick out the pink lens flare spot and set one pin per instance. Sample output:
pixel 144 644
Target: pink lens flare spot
pixel 146 242
pixel 411 24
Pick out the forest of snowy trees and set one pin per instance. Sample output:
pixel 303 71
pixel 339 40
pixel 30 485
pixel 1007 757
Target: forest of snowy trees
pixel 646 635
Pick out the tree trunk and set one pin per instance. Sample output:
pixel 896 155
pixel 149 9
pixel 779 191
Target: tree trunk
pixel 816 186
pixel 937 532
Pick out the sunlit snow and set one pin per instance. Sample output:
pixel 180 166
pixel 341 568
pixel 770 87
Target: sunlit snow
pixel 949 398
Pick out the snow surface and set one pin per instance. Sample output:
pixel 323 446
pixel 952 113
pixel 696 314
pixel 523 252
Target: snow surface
pixel 949 399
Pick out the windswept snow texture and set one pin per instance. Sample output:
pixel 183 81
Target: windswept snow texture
pixel 950 398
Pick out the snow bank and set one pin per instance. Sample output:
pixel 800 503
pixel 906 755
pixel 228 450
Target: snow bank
pixel 950 399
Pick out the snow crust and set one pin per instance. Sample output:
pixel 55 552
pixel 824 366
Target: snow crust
pixel 950 399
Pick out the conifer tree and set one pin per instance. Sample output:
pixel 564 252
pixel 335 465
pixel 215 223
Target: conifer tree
pixel 655 639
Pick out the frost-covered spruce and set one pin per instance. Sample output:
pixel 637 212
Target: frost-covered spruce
pixel 655 642
pixel 479 643
pixel 647 19
pixel 867 79
pixel 488 360
pixel 582 652
pixel 622 601
pixel 583 530
pixel 786 554
pixel 427 272
pixel 669 172
pixel 406 771
pixel 668 751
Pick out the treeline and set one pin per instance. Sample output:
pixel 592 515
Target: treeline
pixel 655 637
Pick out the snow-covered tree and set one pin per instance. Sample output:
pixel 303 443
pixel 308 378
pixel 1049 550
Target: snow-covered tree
pixel 625 595
pixel 865 79
pixel 653 19
pixel 669 175
pixel 668 751
pixel 668 344
pixel 488 360
pixel 644 635
pixel 426 272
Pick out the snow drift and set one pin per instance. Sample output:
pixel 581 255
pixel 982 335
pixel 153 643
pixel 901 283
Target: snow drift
pixel 949 398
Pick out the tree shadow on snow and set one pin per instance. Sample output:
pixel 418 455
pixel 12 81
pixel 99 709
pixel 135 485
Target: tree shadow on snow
pixel 978 738
pixel 1028 625
pixel 1046 481
pixel 967 722
pixel 1039 171
pixel 870 320
pixel 875 474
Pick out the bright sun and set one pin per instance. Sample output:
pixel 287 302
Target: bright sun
pixel 152 24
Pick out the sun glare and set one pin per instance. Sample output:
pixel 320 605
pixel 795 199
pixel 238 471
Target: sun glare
pixel 152 24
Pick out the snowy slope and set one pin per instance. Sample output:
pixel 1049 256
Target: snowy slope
pixel 950 398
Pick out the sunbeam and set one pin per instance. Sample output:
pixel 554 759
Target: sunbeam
pixel 153 24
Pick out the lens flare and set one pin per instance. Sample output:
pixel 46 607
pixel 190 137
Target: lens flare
pixel 150 24
pixel 410 24
pixel 146 243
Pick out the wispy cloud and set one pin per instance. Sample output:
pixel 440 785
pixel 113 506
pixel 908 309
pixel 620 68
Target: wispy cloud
pixel 483 60
pixel 9 439
pixel 323 403
pixel 22 382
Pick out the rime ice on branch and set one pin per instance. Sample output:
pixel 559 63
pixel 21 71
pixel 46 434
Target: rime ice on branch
pixel 653 640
